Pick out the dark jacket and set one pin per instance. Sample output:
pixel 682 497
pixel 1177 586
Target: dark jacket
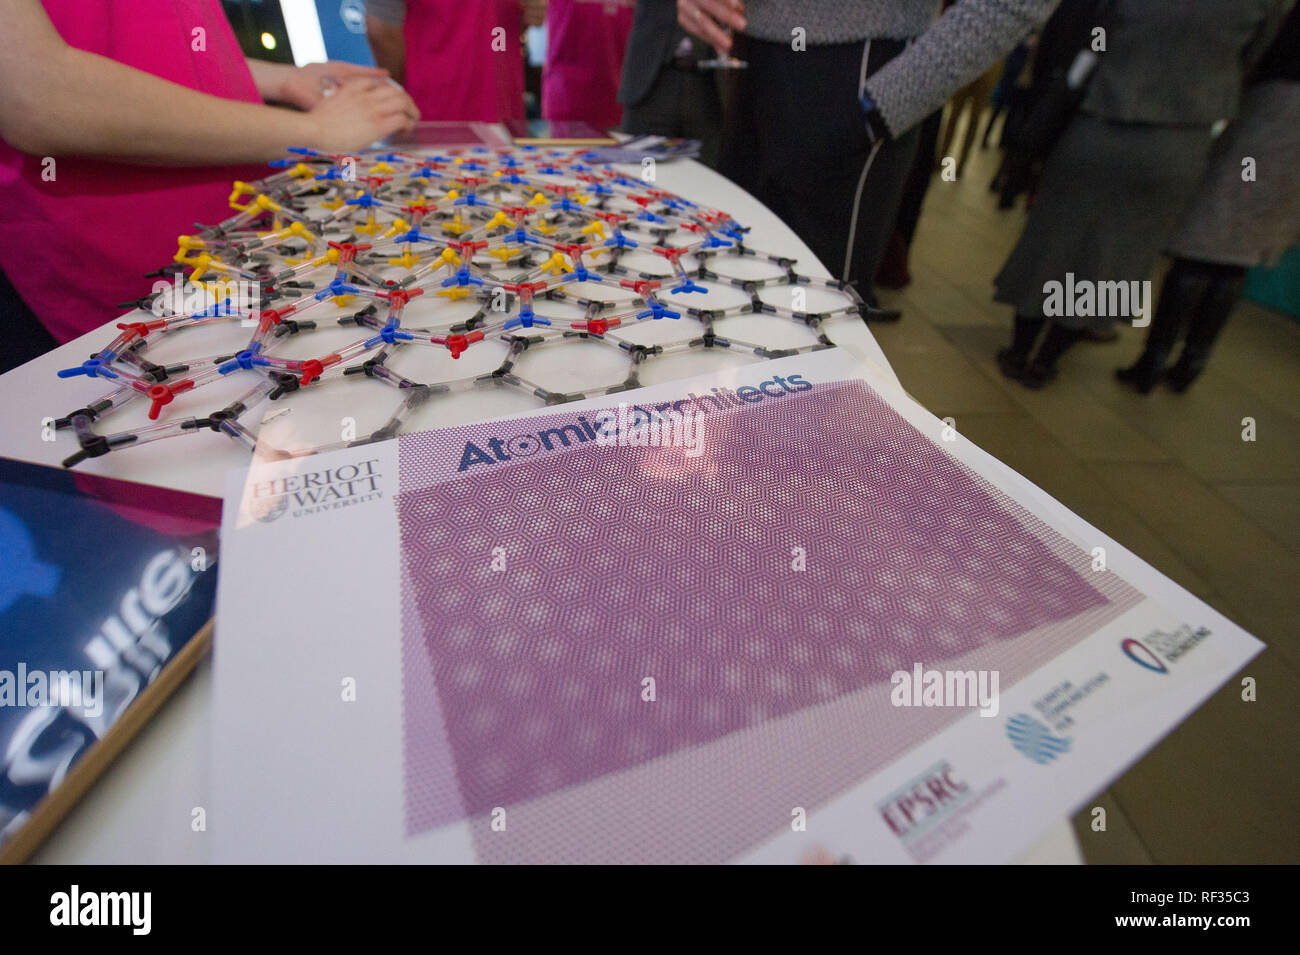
pixel 654 36
pixel 1179 62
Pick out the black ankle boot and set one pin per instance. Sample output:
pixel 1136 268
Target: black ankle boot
pixel 1184 289
pixel 1056 343
pixel 1037 375
pixel 1010 364
pixel 1181 375
pixel 1025 330
pixel 1143 374
pixel 1224 289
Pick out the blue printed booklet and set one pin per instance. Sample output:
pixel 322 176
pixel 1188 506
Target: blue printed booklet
pixel 106 591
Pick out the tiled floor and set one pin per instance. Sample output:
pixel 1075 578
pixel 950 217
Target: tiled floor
pixel 1167 475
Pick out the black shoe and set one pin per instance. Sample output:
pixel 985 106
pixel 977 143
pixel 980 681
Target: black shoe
pixel 1140 376
pixel 1180 377
pixel 1037 376
pixel 1010 364
pixel 1101 336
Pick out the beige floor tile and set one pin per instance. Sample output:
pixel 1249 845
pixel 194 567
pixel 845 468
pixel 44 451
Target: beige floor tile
pixel 1273 507
pixel 1203 429
pixel 1117 844
pixel 936 372
pixel 1260 351
pixel 1065 409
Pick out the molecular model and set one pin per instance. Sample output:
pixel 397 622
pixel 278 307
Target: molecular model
pixel 452 252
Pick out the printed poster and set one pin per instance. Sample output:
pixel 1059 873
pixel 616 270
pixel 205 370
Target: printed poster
pixel 776 614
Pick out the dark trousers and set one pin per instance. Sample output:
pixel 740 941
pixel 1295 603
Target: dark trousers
pixel 684 104
pixel 22 336
pixel 919 177
pixel 796 139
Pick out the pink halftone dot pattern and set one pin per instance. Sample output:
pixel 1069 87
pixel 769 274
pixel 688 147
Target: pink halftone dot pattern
pixel 613 576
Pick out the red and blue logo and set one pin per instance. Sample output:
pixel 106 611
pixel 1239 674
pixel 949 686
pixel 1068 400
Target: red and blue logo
pixel 1142 655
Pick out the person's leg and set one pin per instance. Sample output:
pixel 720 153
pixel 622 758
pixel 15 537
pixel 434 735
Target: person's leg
pixel 660 113
pixel 1056 343
pixel 1224 287
pixel 998 107
pixel 1016 167
pixel 875 205
pixel 919 177
pixel 682 103
pixel 22 336
pixel 1180 298
pixel 743 128
pixel 821 177
pixel 977 104
pixel 701 106
pixel 956 105
pixel 894 272
pixel 1025 330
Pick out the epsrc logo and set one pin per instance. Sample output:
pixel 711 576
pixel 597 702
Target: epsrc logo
pixel 927 813
pixel 931 794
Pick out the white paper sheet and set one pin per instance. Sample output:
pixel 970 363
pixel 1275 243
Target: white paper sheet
pixel 381 701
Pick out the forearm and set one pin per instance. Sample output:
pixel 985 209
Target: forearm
pixel 964 42
pixel 85 104
pixel 388 44
pixel 269 78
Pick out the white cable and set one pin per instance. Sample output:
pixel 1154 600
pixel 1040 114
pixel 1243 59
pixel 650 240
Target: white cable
pixel 857 196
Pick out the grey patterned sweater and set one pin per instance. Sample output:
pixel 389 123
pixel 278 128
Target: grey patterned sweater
pixel 948 52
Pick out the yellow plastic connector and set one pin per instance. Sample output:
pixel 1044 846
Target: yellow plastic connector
pixel 557 264
pixel 406 260
pixel 240 189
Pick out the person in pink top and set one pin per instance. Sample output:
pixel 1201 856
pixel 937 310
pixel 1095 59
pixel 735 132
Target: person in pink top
pixel 121 125
pixel 459 59
pixel 585 40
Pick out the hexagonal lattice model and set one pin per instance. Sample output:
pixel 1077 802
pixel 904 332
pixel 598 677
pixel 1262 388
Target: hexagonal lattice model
pixel 456 253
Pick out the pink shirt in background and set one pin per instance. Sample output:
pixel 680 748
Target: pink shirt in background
pixel 585 40
pixel 464 60
pixel 76 246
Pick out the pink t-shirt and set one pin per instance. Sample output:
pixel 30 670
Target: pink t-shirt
pixel 585 40
pixel 464 60
pixel 76 246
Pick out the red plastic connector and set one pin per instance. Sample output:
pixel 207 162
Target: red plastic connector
pixel 400 296
pixel 642 287
pixel 598 326
pixel 163 394
pixel 312 368
pixel 134 330
pixel 348 250
pixel 456 344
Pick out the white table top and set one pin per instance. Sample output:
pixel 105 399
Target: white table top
pixel 141 810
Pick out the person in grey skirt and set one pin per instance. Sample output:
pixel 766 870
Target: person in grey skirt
pixel 1246 212
pixel 1126 166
